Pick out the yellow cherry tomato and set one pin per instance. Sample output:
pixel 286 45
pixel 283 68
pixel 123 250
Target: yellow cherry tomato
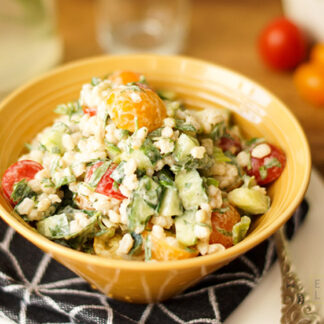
pixel 317 54
pixel 133 105
pixel 124 77
pixel 309 80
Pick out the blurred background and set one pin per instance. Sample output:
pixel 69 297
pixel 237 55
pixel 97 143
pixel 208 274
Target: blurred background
pixel 36 35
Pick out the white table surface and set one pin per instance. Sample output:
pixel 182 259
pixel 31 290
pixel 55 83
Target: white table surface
pixel 263 304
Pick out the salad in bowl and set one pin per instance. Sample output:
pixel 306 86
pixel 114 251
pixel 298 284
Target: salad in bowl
pixel 131 172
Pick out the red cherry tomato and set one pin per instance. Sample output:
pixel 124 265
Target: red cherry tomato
pixel 105 185
pixel 230 144
pixel 24 169
pixel 222 225
pixel 268 168
pixel 90 111
pixel 282 44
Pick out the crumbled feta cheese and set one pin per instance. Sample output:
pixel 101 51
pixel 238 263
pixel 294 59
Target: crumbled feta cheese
pixel 167 132
pixel 43 204
pixel 201 232
pixel 193 121
pixel 198 152
pixel 215 197
pixel 165 145
pixel 158 231
pixel 201 216
pixel 139 137
pixel 163 221
pixel 170 122
pixel 114 216
pixel 130 167
pixel 260 151
pixel 125 244
pixel 172 241
pixel 84 190
pixel 159 165
pixel 78 169
pixel 25 207
pixel 124 190
pixel 42 174
pixel 206 207
pixel 213 248
pixel 123 211
pixel 54 198
pixel 35 185
pixel 203 247
pixel 243 159
pixel 130 182
pixel 67 142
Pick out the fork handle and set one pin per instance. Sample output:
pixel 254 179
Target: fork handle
pixel 297 307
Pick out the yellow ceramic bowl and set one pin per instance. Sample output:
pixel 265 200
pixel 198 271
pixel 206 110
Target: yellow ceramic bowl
pixel 258 112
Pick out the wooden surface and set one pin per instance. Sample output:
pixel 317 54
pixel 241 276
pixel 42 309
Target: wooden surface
pixel 222 31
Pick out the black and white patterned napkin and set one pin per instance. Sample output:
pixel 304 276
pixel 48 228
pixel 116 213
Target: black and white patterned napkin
pixel 36 289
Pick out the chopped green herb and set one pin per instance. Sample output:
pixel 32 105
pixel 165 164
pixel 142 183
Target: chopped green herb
pixel 137 246
pixel 263 172
pixel 272 162
pixel 156 133
pixel 28 146
pixel 148 249
pixel 212 182
pixel 95 81
pixel 151 151
pixel 166 95
pixel 218 131
pixel 224 232
pixel 65 180
pixel 219 156
pixel 182 126
pixel 254 140
pixel 119 173
pixel 221 210
pixel 21 190
pixel 98 174
pixel 69 108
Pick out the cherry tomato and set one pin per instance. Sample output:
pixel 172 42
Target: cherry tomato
pixel 282 44
pixel 24 169
pixel 124 77
pixel 222 225
pixel 105 185
pixel 90 111
pixel 269 167
pixel 231 144
pixel 143 104
pixel 309 80
pixel 317 54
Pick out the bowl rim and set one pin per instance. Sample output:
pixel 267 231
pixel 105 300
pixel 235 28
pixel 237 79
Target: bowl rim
pixel 221 257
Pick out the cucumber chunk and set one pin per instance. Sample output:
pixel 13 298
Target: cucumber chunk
pixel 249 200
pixel 183 147
pixel 150 191
pixel 142 161
pixel 184 226
pixel 139 212
pixel 171 205
pixel 191 189
pixel 52 139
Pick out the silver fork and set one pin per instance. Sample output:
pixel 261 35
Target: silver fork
pixel 297 307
